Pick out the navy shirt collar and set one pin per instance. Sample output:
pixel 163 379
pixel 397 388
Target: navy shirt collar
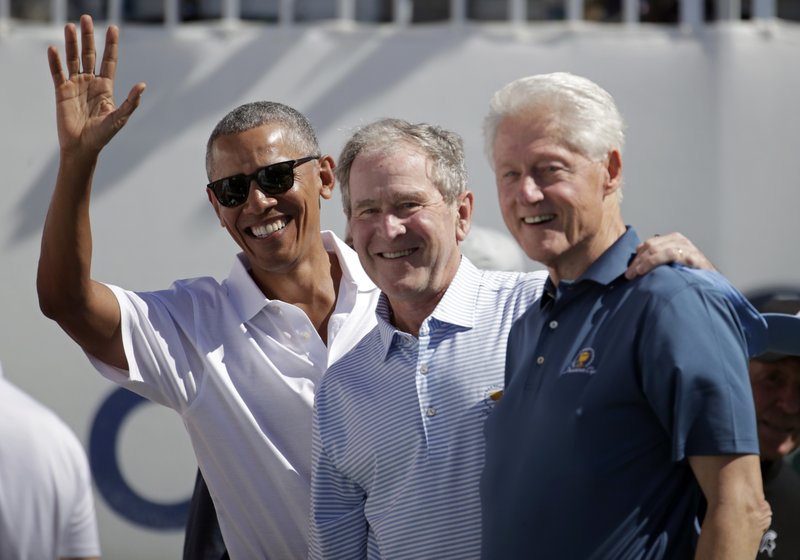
pixel 605 270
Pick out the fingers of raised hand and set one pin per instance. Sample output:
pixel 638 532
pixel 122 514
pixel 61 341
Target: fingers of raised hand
pixel 88 56
pixel 55 66
pixel 108 67
pixel 132 101
pixel 79 58
pixel 71 49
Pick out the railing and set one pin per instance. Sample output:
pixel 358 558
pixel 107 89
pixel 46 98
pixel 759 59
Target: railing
pixel 691 12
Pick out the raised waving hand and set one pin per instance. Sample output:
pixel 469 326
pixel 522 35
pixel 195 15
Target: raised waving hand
pixel 87 120
pixel 86 115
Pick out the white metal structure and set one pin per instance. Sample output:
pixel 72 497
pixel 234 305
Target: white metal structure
pixel 284 11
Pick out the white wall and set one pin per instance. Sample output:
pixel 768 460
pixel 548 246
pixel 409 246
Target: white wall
pixel 713 138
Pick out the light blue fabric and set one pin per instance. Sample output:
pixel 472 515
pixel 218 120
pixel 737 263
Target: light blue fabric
pixel 398 432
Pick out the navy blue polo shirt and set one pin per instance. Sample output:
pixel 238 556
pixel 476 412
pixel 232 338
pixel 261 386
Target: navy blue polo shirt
pixel 610 385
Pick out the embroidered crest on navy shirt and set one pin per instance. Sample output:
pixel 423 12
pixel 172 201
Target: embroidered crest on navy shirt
pixel 582 363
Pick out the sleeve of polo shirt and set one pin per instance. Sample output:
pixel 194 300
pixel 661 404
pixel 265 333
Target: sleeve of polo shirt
pixel 338 526
pixel 154 347
pixel 754 325
pixel 693 360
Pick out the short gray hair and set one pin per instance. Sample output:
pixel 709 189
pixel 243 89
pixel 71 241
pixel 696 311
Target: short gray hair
pixel 589 120
pixel 444 149
pixel 258 113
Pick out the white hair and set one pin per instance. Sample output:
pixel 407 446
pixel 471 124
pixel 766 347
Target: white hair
pixel 589 120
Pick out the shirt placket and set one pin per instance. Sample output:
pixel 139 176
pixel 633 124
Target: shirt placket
pixel 292 327
pixel 551 313
pixel 429 399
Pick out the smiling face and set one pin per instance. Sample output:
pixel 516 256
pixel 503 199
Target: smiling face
pixel 559 205
pixel 405 234
pixel 276 233
pixel 776 392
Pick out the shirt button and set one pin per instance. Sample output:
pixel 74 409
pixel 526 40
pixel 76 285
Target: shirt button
pixel 553 324
pixel 431 411
pixel 305 335
pixel 540 360
pixel 423 369
pixel 274 309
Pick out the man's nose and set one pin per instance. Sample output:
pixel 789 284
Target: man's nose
pixel 392 225
pixel 257 201
pixel 530 190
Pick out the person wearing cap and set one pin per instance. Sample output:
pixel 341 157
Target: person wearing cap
pixel 775 378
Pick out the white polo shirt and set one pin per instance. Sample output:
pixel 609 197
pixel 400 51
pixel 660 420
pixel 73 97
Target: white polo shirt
pixel 241 370
pixel 46 501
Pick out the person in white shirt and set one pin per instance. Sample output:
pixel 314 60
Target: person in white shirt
pixel 237 359
pixel 46 501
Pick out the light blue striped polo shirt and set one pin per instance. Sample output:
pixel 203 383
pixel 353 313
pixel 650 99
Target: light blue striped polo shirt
pixel 398 426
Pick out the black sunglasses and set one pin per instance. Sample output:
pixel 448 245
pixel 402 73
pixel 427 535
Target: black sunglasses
pixel 272 179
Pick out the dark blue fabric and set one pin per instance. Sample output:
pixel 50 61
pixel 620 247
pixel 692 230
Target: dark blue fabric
pixel 203 539
pixel 611 384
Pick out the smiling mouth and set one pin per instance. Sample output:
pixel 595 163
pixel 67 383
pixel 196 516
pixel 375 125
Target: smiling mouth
pixel 533 220
pixel 265 230
pixel 397 254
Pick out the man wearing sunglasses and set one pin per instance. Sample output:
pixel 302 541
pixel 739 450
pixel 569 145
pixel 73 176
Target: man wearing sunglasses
pixel 238 360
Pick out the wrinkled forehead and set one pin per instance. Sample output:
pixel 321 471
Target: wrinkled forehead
pixel 523 141
pixel 403 164
pixel 531 125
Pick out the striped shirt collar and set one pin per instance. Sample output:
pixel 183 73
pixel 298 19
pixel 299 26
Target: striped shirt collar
pixel 456 308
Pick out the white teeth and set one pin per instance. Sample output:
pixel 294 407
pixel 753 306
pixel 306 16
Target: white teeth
pixel 397 254
pixel 538 219
pixel 265 230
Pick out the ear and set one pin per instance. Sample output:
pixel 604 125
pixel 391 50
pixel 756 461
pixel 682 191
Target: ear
pixel 215 205
pixel 464 215
pixel 614 170
pixel 327 176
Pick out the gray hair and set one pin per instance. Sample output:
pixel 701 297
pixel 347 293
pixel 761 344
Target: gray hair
pixel 258 113
pixel 589 120
pixel 444 149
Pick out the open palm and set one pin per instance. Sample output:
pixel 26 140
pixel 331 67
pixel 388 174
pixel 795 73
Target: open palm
pixel 86 115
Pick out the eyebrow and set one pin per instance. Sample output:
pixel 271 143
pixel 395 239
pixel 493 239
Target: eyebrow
pixel 413 195
pixel 364 203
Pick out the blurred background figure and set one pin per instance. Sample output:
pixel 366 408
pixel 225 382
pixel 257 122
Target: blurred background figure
pixel 46 502
pixel 775 377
